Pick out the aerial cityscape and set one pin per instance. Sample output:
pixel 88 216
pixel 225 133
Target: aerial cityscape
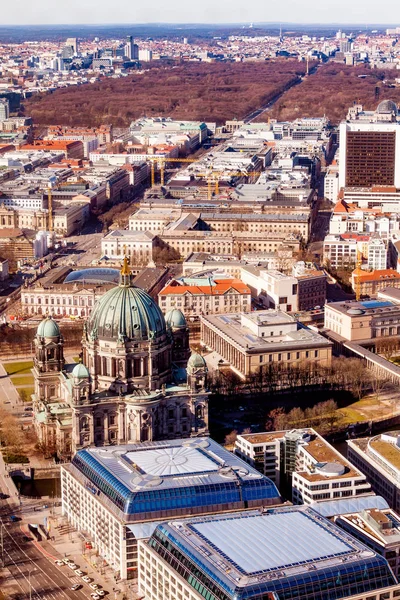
pixel 199 304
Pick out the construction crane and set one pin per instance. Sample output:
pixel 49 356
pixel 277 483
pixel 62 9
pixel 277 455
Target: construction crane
pixel 215 177
pixel 161 160
pixel 49 191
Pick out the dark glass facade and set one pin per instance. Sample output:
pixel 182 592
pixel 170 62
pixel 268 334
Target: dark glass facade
pixel 151 503
pixel 370 158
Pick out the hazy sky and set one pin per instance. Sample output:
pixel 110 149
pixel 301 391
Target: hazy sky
pixel 198 11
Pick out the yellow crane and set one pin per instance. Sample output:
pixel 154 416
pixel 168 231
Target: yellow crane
pixel 214 177
pixel 160 161
pixel 49 191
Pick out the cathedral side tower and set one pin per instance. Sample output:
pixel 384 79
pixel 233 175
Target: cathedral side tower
pixel 48 360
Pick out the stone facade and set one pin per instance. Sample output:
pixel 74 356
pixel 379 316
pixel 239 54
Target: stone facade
pixel 131 390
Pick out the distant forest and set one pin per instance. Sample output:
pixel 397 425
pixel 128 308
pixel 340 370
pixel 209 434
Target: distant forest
pixel 332 89
pixel 207 92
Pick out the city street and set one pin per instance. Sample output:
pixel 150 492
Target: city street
pixel 29 568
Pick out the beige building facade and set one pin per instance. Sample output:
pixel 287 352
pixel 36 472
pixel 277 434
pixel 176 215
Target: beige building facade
pixel 254 342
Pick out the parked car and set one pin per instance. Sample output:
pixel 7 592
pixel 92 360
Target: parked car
pixel 60 563
pixel 79 572
pixel 73 566
pixel 87 579
pixel 94 586
pixel 95 596
pixel 75 587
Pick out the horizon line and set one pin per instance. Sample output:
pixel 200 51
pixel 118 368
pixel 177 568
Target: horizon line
pixel 200 23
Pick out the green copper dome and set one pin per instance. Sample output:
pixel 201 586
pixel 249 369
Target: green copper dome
pixel 196 361
pixel 175 319
pixel 80 371
pixel 48 328
pixel 126 312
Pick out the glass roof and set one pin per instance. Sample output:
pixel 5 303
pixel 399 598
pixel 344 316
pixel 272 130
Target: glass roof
pixel 281 539
pixel 172 461
pixel 173 475
pixel 98 275
pixel 343 506
pixel 286 552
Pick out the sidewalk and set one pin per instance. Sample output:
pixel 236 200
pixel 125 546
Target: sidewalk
pixel 72 545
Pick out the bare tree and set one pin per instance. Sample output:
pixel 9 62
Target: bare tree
pixel 230 438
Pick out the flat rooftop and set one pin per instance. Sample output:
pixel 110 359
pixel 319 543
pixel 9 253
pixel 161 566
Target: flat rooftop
pixel 230 326
pixel 143 475
pixel 297 217
pixel 356 308
pixel 261 552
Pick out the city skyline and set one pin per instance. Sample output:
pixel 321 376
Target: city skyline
pixel 74 12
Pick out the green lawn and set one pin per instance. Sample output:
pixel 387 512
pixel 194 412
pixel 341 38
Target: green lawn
pixel 22 380
pixel 26 393
pixel 18 368
pixel 349 416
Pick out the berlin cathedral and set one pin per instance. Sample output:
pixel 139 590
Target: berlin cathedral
pixel 137 380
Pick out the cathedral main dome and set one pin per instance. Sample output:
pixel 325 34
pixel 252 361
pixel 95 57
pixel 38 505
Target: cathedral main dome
pixel 126 312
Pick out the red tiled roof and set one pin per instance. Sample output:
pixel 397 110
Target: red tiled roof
pixel 221 287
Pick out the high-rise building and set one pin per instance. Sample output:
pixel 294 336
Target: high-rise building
pixel 131 49
pixel 4 109
pixel 369 149
pixel 73 43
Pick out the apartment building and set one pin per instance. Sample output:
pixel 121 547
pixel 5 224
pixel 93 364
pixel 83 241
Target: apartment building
pixel 369 283
pixel 379 529
pixel 339 251
pixel 206 296
pixel 305 462
pixel 377 258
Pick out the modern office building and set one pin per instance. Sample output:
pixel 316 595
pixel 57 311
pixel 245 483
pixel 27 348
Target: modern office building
pixel 304 463
pixel 378 458
pixel 275 554
pixel 378 529
pixel 369 153
pixel 118 495
pixel 4 109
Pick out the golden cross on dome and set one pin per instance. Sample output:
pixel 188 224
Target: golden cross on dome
pixel 125 269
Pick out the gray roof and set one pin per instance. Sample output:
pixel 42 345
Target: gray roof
pixel 229 325
pixel 344 506
pixel 297 217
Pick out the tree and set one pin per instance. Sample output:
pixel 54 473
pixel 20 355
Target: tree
pixel 387 347
pixel 277 420
pixel 230 438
